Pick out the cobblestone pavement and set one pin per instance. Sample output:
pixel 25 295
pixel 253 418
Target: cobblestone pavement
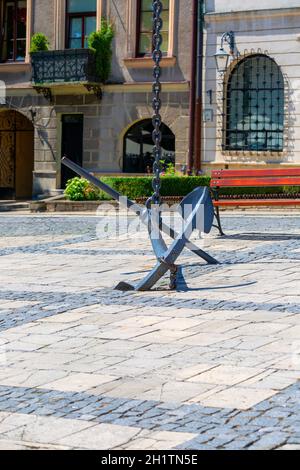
pixel 215 365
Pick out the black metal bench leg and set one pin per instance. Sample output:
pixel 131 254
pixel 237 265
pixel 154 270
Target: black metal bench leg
pixel 219 226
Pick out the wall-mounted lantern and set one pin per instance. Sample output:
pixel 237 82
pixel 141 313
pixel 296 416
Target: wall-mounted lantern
pixel 222 56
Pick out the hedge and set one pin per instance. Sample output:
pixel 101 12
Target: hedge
pixel 141 187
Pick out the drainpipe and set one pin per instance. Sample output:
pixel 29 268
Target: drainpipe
pixel 199 89
pixel 190 162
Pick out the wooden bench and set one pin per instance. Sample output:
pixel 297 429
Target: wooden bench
pixel 253 178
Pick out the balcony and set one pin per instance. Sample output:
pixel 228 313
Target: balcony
pixel 70 66
pixel 67 66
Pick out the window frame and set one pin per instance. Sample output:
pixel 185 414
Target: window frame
pixel 138 30
pixel 15 33
pixel 83 16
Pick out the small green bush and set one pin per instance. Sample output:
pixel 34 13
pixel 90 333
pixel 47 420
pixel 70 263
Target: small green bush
pixel 79 189
pixel 39 43
pixel 168 169
pixel 101 43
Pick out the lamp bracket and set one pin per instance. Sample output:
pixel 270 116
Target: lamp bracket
pixel 45 91
pixel 229 38
pixel 96 89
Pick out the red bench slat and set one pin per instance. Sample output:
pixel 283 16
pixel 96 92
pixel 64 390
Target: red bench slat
pixel 255 173
pixel 250 182
pixel 257 202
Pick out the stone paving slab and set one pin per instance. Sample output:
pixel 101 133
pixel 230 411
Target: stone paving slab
pixel 215 365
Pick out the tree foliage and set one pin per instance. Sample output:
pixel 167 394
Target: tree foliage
pixel 101 43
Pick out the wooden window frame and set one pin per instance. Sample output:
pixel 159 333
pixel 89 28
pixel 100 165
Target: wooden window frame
pixel 83 16
pixel 15 38
pixel 138 31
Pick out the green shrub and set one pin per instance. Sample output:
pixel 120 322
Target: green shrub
pixel 101 43
pixel 141 187
pixel 291 189
pixel 79 189
pixel 39 43
pixel 168 169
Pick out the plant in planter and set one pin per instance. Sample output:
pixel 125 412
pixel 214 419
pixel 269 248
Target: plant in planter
pixel 39 43
pixel 101 43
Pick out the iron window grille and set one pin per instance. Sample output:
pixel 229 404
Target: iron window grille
pixel 254 106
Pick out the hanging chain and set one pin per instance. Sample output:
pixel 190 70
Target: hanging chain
pixel 156 102
pixel 157 121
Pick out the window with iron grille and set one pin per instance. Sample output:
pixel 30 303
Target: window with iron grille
pixel 254 114
pixel 144 45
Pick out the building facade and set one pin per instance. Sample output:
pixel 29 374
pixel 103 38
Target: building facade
pixel 107 129
pixel 255 104
pixel 251 113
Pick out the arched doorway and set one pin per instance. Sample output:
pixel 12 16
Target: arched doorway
pixel 16 155
pixel 138 147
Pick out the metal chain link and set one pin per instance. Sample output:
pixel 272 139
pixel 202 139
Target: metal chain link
pixel 156 102
pixel 157 121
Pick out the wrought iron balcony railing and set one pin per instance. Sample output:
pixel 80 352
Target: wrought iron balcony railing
pixel 66 66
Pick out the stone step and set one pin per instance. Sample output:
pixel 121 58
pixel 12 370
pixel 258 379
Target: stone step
pixel 12 206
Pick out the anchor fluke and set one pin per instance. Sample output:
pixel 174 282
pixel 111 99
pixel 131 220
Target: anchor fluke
pixel 124 287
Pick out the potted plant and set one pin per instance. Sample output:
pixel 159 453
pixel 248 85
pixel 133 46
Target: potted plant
pixel 39 43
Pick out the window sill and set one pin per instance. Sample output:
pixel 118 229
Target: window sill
pixel 14 66
pixel 254 153
pixel 147 62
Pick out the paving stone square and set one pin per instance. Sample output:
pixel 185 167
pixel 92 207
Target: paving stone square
pixel 212 365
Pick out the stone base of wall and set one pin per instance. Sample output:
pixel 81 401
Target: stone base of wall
pixel 95 206
pixel 71 206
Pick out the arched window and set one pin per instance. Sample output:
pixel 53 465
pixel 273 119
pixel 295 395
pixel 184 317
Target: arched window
pixel 138 147
pixel 255 106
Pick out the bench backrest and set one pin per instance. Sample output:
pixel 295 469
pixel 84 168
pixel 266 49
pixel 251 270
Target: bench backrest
pixel 249 178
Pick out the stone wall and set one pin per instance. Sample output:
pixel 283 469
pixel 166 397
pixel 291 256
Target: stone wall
pixel 44 19
pixel 105 125
pixel 124 19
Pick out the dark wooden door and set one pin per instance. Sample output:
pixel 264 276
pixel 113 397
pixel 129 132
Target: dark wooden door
pixel 72 144
pixel 16 155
